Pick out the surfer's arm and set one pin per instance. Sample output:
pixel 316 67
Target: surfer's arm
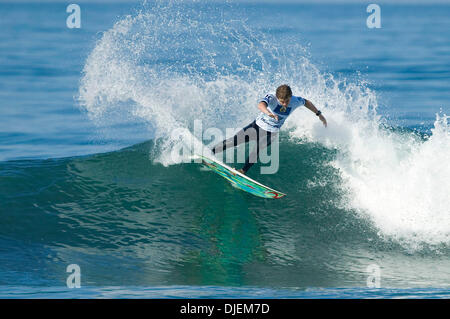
pixel 314 109
pixel 262 106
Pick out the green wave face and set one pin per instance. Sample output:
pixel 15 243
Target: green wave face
pixel 127 221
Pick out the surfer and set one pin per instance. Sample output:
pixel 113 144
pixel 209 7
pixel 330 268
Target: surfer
pixel 264 129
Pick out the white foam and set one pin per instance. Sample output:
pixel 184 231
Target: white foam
pixel 156 68
pixel 397 180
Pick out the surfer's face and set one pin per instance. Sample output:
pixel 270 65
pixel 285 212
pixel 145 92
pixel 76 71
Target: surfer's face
pixel 284 102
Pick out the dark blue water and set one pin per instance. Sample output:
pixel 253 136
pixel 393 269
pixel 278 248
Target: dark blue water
pixel 82 182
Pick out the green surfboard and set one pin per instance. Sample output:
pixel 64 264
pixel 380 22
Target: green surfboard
pixel 239 180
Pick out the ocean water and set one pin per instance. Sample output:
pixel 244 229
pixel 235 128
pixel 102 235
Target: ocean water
pixel 87 176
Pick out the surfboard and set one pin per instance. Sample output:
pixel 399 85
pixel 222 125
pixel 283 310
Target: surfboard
pixel 239 180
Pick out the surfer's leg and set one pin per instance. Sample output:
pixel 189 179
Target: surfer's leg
pixel 264 139
pixel 240 137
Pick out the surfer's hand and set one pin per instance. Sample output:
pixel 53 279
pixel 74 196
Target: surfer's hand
pixel 274 116
pixel 324 121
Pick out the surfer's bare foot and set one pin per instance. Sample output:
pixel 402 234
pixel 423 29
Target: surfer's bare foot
pixel 239 170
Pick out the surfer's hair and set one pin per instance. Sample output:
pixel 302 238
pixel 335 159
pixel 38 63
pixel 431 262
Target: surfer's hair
pixel 284 92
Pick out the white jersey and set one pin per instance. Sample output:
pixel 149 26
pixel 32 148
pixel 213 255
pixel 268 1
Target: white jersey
pixel 270 124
